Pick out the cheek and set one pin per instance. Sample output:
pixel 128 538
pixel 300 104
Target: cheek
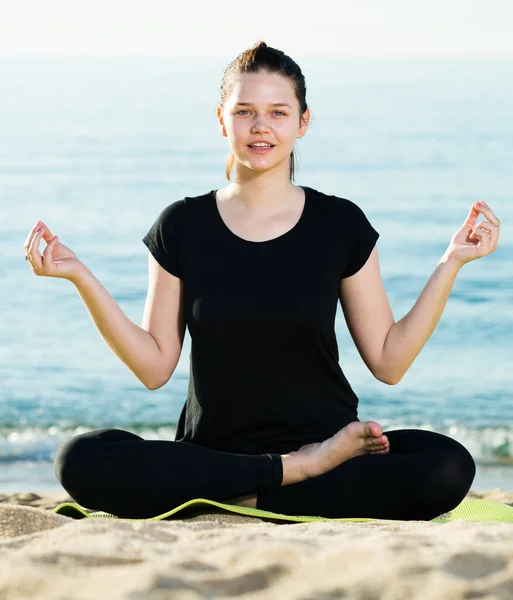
pixel 238 126
pixel 236 129
pixel 286 134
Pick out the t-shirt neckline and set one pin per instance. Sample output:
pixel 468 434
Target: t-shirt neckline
pixel 293 229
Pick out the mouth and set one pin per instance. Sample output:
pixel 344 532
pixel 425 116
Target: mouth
pixel 260 149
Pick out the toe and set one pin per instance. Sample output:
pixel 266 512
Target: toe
pixel 374 443
pixel 374 428
pixel 378 443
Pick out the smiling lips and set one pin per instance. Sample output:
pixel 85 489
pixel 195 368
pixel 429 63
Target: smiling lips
pixel 261 147
pixel 260 143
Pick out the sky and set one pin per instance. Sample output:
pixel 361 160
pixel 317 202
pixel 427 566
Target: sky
pixel 336 28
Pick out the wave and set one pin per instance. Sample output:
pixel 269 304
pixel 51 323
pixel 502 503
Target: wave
pixel 489 445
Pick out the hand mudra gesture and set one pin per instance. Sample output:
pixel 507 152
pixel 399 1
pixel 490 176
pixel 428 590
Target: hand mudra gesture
pixel 473 241
pixel 57 259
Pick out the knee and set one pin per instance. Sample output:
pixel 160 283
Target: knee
pixel 68 462
pixel 78 464
pixel 74 462
pixel 457 473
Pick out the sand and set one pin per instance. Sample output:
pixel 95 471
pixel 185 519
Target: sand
pixel 52 557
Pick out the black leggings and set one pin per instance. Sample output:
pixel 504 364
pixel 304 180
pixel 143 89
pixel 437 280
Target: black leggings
pixel 423 475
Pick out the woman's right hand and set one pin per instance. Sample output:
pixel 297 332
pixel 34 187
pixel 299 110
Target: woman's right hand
pixel 57 260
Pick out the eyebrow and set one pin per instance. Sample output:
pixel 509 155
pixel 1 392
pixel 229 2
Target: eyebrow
pixel 270 104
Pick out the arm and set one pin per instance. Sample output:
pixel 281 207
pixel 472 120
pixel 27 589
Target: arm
pixel 152 351
pixel 407 337
pixel 368 313
pixel 388 348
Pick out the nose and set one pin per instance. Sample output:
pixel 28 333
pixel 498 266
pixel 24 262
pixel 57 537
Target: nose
pixel 259 124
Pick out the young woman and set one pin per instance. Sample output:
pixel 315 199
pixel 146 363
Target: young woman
pixel 256 270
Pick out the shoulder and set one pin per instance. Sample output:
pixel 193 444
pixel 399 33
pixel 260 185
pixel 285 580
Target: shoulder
pixel 337 205
pixel 177 212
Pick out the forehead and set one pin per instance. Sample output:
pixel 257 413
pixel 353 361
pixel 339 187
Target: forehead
pixel 261 87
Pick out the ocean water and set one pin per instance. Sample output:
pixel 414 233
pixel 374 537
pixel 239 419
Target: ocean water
pixel 97 147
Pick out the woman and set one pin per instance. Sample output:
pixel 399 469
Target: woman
pixel 255 270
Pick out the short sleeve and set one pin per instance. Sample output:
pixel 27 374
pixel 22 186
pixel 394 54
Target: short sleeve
pixel 163 238
pixel 362 238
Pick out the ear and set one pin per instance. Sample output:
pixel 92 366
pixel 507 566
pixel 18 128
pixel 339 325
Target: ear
pixel 305 121
pixel 221 120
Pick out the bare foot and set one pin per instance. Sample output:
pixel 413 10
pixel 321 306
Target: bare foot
pixel 355 439
pixel 311 460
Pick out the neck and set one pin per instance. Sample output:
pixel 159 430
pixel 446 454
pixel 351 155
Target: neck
pixel 262 192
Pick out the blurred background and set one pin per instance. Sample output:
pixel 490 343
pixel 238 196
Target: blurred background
pixel 108 114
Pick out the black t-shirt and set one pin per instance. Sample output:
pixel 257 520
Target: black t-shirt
pixel 264 371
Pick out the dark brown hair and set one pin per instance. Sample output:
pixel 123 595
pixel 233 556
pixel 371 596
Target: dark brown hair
pixel 261 57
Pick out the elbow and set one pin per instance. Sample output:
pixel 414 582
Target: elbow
pixel 156 386
pixel 148 385
pixel 391 381
pixel 388 381
pixel 159 378
pixel 386 373
pixel 388 378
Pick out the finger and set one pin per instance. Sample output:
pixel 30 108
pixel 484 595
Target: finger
pixel 492 231
pixel 484 240
pixel 487 225
pixel 47 254
pixel 33 250
pixel 46 234
pixel 488 213
pixel 479 232
pixel 489 228
pixel 30 236
pixel 478 227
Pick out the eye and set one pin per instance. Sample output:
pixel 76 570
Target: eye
pixel 275 111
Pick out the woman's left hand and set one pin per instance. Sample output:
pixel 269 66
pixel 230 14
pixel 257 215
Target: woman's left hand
pixel 473 241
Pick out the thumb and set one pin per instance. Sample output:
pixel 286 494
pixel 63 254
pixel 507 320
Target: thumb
pixel 472 216
pixel 49 248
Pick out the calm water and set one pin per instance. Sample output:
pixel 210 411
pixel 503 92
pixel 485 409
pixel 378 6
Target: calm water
pixel 96 148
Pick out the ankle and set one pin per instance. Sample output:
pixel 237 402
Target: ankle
pixel 293 469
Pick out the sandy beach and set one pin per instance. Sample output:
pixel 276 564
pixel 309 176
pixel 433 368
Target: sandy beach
pixel 214 555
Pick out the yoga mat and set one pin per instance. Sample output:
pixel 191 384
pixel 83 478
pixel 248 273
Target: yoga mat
pixel 470 509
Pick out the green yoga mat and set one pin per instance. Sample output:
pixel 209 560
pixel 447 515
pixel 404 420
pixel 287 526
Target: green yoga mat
pixel 470 509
